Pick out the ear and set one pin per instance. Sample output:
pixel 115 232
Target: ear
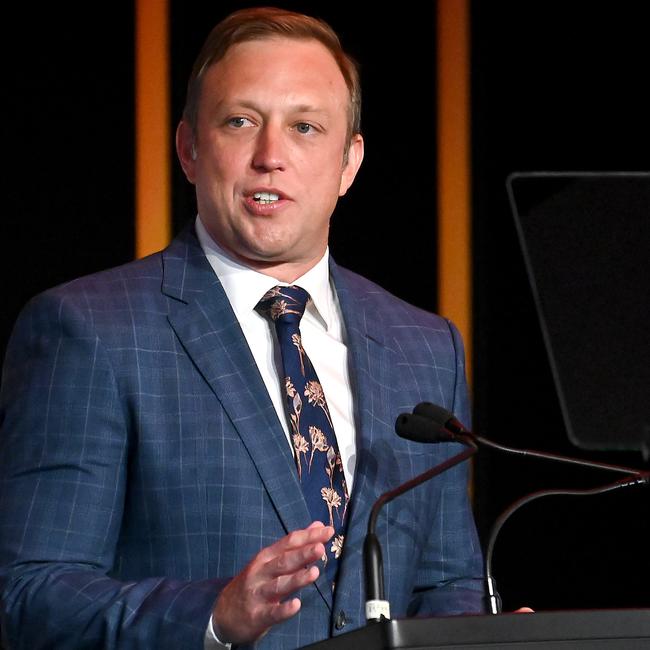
pixel 352 164
pixel 185 148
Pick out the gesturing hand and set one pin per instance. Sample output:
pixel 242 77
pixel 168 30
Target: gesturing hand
pixel 254 600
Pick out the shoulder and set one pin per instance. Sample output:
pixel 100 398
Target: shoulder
pixel 110 290
pixel 412 332
pixel 136 287
pixel 112 302
pixel 391 310
pixel 424 350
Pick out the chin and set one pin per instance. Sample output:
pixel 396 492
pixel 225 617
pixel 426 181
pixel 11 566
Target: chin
pixel 264 256
pixel 271 251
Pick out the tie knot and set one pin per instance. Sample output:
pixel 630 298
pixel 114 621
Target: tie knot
pixel 284 304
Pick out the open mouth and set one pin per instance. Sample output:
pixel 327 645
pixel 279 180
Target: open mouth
pixel 265 198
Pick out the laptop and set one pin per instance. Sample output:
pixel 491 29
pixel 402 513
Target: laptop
pixel 585 238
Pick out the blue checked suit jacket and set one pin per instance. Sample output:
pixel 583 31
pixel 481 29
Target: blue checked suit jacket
pixel 142 463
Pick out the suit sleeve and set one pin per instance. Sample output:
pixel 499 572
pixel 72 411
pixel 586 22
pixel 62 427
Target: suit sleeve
pixel 452 559
pixel 64 449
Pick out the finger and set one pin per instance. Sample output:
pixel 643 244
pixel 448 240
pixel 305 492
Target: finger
pixel 283 586
pixel 293 560
pixel 283 611
pixel 255 624
pixel 315 532
pixel 271 615
pixel 296 539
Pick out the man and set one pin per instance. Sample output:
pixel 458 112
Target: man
pixel 150 497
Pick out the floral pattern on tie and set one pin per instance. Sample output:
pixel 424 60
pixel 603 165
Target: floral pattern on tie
pixel 318 461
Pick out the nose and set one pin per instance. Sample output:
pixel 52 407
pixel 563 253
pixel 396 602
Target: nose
pixel 270 150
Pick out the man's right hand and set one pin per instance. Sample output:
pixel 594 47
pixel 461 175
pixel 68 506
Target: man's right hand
pixel 254 600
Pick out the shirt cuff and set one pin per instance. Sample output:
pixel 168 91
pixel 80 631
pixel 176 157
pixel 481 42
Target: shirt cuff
pixel 211 640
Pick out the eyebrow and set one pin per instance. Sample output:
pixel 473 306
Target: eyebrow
pixel 306 108
pixel 298 108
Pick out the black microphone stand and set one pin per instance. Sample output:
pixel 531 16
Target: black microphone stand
pixel 427 422
pixel 494 600
pixel 377 607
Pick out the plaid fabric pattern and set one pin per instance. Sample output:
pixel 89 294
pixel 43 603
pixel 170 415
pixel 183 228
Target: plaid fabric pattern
pixel 142 463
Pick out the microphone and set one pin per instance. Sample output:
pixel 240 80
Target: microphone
pixel 430 423
pixel 422 429
pixel 377 607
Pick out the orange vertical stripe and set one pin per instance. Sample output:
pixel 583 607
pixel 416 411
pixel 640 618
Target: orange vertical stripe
pixel 152 96
pixel 454 174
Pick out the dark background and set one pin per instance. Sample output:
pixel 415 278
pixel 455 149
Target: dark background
pixel 555 86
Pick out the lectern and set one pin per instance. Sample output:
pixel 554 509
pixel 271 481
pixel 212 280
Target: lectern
pixel 624 629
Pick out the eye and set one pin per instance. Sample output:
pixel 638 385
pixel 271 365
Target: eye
pixel 239 122
pixel 304 128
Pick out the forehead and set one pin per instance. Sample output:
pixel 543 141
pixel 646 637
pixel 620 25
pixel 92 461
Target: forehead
pixel 284 67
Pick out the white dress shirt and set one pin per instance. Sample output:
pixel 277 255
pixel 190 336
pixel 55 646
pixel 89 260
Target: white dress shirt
pixel 323 336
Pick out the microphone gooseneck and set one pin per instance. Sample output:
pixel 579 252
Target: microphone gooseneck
pixel 447 422
pixel 630 481
pixel 377 607
pixel 430 422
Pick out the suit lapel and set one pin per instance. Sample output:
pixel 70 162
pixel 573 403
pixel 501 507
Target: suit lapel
pixel 208 329
pixel 370 375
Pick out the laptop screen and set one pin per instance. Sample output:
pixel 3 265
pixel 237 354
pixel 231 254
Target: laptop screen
pixel 585 238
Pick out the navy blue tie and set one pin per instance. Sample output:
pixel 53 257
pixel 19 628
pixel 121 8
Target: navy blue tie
pixel 318 460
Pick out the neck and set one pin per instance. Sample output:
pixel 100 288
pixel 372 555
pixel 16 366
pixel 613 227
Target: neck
pixel 287 272
pixel 282 270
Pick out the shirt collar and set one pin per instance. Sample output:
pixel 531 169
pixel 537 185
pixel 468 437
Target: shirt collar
pixel 244 286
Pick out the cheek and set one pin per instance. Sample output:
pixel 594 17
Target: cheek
pixel 323 171
pixel 220 173
pixel 225 162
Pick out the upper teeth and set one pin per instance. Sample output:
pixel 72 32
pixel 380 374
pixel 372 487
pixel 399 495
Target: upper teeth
pixel 266 196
